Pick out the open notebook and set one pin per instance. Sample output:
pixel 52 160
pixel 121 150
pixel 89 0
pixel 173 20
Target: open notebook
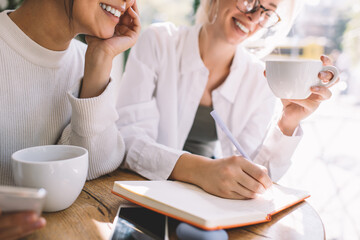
pixel 191 204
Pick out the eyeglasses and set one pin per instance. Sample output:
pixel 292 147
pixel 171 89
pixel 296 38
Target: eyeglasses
pixel 268 18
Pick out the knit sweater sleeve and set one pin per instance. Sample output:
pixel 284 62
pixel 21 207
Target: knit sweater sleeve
pixel 93 127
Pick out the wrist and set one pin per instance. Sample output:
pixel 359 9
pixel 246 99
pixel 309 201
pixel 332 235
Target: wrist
pixel 188 168
pixel 96 76
pixel 287 126
pixel 98 62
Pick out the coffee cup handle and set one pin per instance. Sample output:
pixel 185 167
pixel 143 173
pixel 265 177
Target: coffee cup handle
pixel 334 71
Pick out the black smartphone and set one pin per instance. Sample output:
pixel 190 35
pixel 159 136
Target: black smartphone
pixel 134 222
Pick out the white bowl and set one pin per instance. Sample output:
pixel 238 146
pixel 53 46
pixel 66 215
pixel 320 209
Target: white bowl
pixel 60 169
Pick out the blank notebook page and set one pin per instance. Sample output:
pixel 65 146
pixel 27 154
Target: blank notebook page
pixel 215 210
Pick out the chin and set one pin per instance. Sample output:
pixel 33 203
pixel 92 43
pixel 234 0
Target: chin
pixel 235 40
pixel 233 37
pixel 105 34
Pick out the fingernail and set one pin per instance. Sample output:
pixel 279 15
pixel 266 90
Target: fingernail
pixel 31 217
pixel 316 89
pixel 40 223
pixel 261 189
pixel 323 75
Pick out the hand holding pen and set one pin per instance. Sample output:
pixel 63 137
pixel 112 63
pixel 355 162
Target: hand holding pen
pixel 250 169
pixel 235 177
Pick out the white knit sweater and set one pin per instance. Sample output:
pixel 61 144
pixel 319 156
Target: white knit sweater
pixel 39 104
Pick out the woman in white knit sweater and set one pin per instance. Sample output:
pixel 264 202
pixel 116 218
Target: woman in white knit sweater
pixel 53 93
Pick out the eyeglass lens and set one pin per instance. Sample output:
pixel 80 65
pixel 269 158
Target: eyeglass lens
pixel 267 19
pixel 247 5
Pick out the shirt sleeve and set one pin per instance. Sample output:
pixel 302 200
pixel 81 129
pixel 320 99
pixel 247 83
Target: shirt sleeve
pixel 276 151
pixel 93 126
pixel 139 114
pixel 261 137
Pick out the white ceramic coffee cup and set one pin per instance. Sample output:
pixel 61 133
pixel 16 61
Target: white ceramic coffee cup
pixel 293 78
pixel 60 169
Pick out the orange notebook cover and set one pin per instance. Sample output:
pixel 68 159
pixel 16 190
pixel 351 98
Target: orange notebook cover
pixel 191 204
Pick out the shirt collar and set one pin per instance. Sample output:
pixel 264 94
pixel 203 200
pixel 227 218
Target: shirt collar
pixel 26 47
pixel 190 59
pixel 238 68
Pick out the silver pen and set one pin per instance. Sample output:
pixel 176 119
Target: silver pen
pixel 223 127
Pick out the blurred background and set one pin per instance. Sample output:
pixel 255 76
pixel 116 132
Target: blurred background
pixel 327 161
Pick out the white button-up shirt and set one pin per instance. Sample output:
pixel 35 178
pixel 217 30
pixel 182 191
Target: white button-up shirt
pixel 160 92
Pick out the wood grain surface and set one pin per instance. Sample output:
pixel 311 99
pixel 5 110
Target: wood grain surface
pixel 92 214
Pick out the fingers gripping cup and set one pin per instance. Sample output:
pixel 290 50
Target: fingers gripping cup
pixel 60 169
pixel 292 79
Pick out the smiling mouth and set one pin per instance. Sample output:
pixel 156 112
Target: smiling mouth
pixel 241 27
pixel 111 10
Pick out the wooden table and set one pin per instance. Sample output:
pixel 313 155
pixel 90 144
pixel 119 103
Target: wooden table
pixel 92 215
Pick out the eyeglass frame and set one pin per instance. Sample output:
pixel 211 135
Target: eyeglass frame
pixel 256 7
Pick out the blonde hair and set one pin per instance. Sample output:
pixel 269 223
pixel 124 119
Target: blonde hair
pixel 264 41
pixel 202 13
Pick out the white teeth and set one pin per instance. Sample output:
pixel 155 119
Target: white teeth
pixel 111 10
pixel 242 27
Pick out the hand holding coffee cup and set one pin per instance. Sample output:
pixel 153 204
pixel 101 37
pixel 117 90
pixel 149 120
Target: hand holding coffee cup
pixel 60 169
pixel 293 78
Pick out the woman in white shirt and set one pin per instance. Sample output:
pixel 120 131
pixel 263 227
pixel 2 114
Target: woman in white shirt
pixel 182 73
pixel 52 93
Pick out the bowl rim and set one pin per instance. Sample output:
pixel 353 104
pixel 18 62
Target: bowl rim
pixel 16 159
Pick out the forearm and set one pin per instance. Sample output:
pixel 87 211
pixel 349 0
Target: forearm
pixel 96 74
pixel 189 168
pixel 93 126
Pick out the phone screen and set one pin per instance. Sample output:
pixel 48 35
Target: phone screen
pixel 138 223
